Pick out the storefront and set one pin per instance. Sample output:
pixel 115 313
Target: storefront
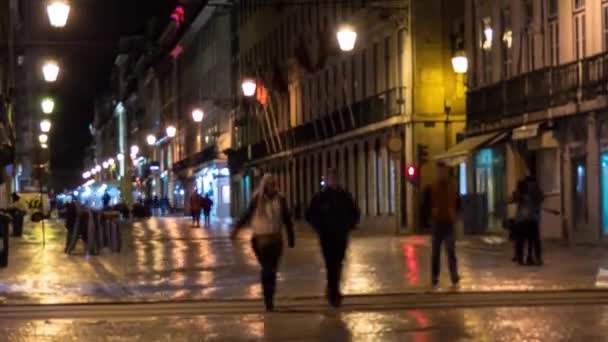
pixel 489 170
pixel 214 181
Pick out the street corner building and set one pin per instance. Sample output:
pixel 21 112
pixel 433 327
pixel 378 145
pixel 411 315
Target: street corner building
pixel 366 112
pixel 537 101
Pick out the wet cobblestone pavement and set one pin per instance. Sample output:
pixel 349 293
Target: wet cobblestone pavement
pixel 166 259
pixel 573 323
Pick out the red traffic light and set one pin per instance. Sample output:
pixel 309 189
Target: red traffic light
pixel 411 171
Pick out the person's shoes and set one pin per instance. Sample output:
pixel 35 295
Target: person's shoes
pixel 269 306
pixel 435 285
pixel 514 259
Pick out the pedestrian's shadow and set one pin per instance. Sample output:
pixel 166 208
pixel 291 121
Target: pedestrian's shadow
pixel 333 328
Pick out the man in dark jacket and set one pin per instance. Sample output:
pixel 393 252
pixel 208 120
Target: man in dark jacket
pixel 333 214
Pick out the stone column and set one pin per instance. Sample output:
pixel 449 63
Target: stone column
pixel 351 174
pixel 372 178
pixel 301 181
pixel 361 176
pixel 593 177
pixel 385 174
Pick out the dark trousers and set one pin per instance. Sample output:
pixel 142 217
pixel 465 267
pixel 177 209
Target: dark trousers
pixel 443 234
pixel 529 233
pixel 334 250
pixel 196 217
pixel 268 250
pixel 207 215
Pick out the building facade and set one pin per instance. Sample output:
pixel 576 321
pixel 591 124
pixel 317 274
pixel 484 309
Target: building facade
pixel 537 106
pixel 8 62
pixel 367 112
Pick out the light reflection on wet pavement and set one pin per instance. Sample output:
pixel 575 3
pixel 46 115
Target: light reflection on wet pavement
pixel 574 323
pixel 166 259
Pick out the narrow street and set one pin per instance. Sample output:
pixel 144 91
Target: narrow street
pixel 166 259
pixel 538 323
pixel 173 282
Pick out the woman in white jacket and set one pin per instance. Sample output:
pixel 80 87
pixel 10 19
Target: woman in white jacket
pixel 267 216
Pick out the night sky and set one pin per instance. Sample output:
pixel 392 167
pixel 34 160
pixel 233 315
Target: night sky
pixel 86 54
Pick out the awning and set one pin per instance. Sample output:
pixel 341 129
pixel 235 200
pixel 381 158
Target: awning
pixel 459 152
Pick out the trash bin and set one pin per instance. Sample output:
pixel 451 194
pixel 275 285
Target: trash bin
pixel 4 222
pixel 17 218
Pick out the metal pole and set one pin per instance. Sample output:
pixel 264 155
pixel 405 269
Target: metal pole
pixel 42 209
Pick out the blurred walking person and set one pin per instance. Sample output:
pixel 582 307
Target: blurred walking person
pixel 444 212
pixel 333 214
pixel 195 208
pixel 267 216
pixel 207 204
pixel 529 198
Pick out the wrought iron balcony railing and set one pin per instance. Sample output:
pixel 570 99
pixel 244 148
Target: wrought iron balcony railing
pixel 368 111
pixel 539 90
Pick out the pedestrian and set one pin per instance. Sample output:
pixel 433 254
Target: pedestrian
pixel 267 216
pixel 333 214
pixel 529 198
pixel 445 204
pixel 106 200
pixel 207 204
pixel 195 208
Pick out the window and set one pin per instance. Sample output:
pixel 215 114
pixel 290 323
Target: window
pixel 387 63
pixel 579 4
pixel 553 33
pixel 553 8
pixel 605 26
pixel 530 50
pixel 507 42
pixel 376 75
pixel 486 38
pixel 579 35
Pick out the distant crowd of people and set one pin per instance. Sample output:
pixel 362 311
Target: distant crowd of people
pixel 200 204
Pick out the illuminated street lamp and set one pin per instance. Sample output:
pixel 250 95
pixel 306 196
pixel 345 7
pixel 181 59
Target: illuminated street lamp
pixel 171 131
pixel 44 146
pixel 45 125
pixel 197 115
pixel 249 87
pixel 151 139
pixel 460 64
pixel 347 38
pixel 58 12
pixel 134 150
pixel 86 175
pixel 120 157
pixel 50 71
pixel 105 164
pixel 43 138
pixel 48 105
pixel 111 161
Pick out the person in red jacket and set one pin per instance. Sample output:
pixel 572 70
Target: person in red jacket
pixel 195 208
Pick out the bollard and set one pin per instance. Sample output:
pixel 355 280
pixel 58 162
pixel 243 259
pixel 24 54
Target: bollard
pixel 114 240
pixel 17 216
pixel 4 222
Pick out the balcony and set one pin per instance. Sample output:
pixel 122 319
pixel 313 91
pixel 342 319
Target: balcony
pixel 368 111
pixel 539 90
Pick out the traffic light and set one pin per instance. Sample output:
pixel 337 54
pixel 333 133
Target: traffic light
pixel 411 172
pixel 423 153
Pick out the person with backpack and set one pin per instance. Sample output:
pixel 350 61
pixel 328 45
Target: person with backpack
pixel 333 214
